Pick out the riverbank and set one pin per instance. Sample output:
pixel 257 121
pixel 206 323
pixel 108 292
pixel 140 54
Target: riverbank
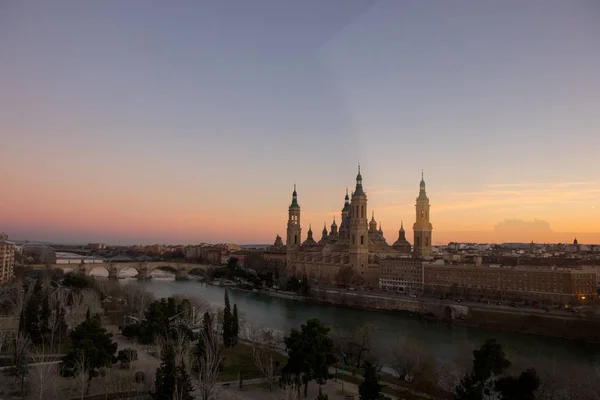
pixel 566 327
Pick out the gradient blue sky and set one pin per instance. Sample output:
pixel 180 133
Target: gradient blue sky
pixel 153 121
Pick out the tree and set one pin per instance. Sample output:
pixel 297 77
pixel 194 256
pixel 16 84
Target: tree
pixel 21 350
pixel 522 387
pixel 209 365
pixel 57 323
pixel 91 343
pixel 346 275
pixel 489 362
pixel 183 389
pixel 310 354
pixel 227 322
pixel 35 315
pixel 172 379
pixel 370 389
pixel 235 326
pixel 233 264
pixel 45 375
pixel 126 356
pixel 263 344
pixel 166 375
pixel 354 344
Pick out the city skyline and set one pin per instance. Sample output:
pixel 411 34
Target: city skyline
pixel 144 123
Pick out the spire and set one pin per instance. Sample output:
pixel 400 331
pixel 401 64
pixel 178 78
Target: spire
pixel 347 199
pixel 334 224
pixel 294 197
pixel 372 215
pixel 401 226
pixel 309 228
pixel 359 190
pixel 422 192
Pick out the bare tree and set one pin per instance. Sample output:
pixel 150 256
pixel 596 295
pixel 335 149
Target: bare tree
pixel 355 344
pixel 45 377
pixel 137 299
pixel 81 302
pixel 82 376
pixel 21 348
pixel 58 305
pixel 404 358
pixel 208 366
pixel 263 343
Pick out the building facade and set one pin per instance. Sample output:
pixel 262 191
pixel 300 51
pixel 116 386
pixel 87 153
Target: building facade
pixel 510 283
pixel 7 258
pixel 358 244
pixel 404 275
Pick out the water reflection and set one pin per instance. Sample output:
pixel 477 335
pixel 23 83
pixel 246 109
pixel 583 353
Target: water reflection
pixel 446 341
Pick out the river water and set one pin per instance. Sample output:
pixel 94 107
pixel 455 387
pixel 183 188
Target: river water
pixel 448 343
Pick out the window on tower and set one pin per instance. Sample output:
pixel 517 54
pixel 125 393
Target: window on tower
pixel 362 240
pixel 422 214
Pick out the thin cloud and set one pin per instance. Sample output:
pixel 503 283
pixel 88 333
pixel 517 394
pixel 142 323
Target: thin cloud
pixel 531 194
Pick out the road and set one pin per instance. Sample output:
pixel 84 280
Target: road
pixel 471 304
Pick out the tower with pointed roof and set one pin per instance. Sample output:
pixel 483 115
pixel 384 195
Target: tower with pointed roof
pixel 333 233
pixel 294 229
pixel 309 240
pixel 402 245
pixel 345 224
pixel 373 223
pixel 422 227
pixel 359 229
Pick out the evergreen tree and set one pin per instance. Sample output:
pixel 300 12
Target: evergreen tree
pixel 166 375
pixel 227 322
pixel 489 362
pixel 185 390
pixel 93 345
pixel 235 326
pixel 59 324
pixel 172 381
pixel 522 387
pixel 310 353
pixel 35 316
pixel 370 389
pixel 207 331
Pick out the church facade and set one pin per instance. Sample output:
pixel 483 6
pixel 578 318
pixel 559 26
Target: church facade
pixel 357 244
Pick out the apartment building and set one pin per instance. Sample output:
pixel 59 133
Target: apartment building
pixel 403 275
pixel 7 258
pixel 517 283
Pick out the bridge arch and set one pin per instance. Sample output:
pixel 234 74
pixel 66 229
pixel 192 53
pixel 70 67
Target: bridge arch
pixel 168 267
pixel 198 271
pixel 99 268
pixel 133 267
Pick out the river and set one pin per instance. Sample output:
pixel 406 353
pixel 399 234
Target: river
pixel 448 343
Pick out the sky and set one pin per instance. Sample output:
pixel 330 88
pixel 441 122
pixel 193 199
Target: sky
pixel 186 122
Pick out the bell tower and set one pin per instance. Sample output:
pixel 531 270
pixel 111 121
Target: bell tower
pixel 293 229
pixel 359 229
pixel 422 227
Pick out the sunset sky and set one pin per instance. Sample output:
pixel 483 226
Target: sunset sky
pixel 186 122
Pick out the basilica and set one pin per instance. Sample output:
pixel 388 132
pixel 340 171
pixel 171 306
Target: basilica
pixel 357 243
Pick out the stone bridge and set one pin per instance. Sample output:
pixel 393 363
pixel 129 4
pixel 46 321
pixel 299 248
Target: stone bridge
pixel 144 268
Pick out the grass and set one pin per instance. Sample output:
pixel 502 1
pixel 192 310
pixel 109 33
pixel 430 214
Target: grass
pixel 387 378
pixel 238 360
